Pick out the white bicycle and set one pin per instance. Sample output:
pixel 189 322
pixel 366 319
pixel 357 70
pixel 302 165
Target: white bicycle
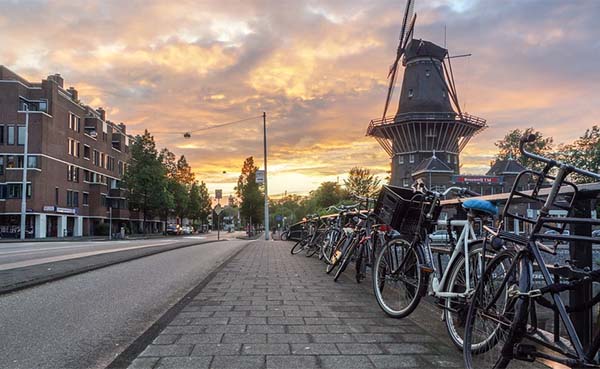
pixel 405 269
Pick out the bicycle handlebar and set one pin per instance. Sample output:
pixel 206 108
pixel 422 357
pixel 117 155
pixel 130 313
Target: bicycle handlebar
pixel 531 138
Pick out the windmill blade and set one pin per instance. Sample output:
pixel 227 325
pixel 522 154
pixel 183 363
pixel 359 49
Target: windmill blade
pixel 410 31
pixel 408 14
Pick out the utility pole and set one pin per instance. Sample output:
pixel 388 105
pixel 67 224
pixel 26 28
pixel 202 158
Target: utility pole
pixel 110 222
pixel 24 184
pixel 267 230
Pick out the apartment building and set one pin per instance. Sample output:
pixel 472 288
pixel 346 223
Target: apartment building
pixel 76 159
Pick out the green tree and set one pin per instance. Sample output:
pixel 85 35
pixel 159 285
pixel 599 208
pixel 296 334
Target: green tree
pixel 584 153
pixel 249 192
pixel 145 179
pixel 327 194
pixel 205 203
pixel 179 180
pixel 508 147
pixel 361 182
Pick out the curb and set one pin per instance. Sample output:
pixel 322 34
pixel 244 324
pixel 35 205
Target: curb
pixel 125 358
pixel 65 268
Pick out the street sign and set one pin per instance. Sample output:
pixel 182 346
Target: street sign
pixel 278 218
pixel 218 209
pixel 260 176
pixel 218 194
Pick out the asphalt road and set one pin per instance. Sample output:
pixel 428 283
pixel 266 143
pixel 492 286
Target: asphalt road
pixel 21 254
pixel 84 321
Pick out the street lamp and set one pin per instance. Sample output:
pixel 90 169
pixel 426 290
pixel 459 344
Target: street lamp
pixel 24 184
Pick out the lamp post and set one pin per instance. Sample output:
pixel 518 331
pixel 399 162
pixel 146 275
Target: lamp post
pixel 24 184
pixel 267 230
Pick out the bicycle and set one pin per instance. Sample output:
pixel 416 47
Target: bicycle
pixel 502 313
pixel 404 270
pixel 309 235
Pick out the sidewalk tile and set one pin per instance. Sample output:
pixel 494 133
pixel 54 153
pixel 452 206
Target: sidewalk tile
pixel 292 362
pixel 199 362
pixel 238 362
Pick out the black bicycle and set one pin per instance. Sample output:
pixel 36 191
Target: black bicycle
pixel 501 323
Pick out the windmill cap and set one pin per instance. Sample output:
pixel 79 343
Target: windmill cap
pixel 421 48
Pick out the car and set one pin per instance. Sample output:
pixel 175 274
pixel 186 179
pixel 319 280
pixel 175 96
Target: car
pixel 596 233
pixel 187 229
pixel 173 229
pixel 441 236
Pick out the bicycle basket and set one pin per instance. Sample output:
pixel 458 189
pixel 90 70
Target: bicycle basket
pixel 401 208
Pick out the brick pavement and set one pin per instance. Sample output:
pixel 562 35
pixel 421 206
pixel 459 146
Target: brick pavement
pixel 269 309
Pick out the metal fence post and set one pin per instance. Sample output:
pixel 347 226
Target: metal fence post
pixel 581 255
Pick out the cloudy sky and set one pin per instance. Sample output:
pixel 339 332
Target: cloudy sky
pixel 318 68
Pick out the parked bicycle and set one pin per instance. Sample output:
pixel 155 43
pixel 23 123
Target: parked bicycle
pixel 405 270
pixel 501 322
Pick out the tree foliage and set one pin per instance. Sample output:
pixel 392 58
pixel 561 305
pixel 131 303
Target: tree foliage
pixel 583 153
pixel 362 183
pixel 145 178
pixel 509 147
pixel 250 193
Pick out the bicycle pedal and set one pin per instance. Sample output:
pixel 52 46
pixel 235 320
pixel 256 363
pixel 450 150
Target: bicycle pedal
pixel 525 352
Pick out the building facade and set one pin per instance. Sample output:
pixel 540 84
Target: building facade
pixel 76 159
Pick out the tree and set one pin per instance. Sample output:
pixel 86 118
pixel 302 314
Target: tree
pixel 584 153
pixel 362 183
pixel 327 194
pixel 249 192
pixel 509 147
pixel 145 178
pixel 184 172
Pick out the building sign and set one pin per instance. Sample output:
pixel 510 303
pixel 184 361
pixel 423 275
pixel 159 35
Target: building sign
pixel 477 179
pixel 218 194
pixel 48 208
pixel 260 176
pixel 66 210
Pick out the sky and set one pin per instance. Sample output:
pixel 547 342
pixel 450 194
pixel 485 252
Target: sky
pixel 317 68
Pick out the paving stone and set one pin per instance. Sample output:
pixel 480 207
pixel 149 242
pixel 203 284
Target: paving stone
pixel 322 321
pixel 187 329
pixel 292 362
pixel 201 338
pixel 209 349
pixel 287 338
pixel 376 337
pixel 209 321
pixel 395 361
pixel 199 362
pixel 443 361
pixel 406 348
pixel 306 329
pixel 143 363
pixel 285 320
pixel 230 314
pixel 272 328
pixel 314 349
pixel 345 362
pixel 359 348
pixel 238 362
pixel 342 328
pixel 333 338
pixel 248 320
pixel 267 313
pixel 216 308
pixel 195 314
pixel 167 350
pixel 265 349
pixel 165 339
pixel 225 328
pixel 245 338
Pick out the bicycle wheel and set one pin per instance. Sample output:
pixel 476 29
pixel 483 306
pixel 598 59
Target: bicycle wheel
pixel 492 314
pixel 299 246
pixel 336 254
pixel 398 281
pixel 345 260
pixel 329 242
pixel 313 246
pixel 360 260
pixel 455 308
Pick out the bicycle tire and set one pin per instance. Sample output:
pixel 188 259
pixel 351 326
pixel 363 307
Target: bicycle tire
pixel 358 263
pixel 382 279
pixel 313 246
pixel 486 352
pixel 299 246
pixel 455 308
pixel 345 261
pixel 329 242
pixel 336 261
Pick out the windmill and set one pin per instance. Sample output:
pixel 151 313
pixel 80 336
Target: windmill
pixel 429 130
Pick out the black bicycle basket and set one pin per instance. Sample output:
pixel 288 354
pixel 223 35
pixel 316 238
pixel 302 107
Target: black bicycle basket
pixel 405 210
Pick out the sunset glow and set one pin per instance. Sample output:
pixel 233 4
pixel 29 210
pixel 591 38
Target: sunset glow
pixel 317 68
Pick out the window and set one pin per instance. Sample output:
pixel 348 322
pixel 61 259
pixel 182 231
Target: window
pixel 56 196
pixel 11 161
pixel 1 165
pixel 13 190
pixel 405 182
pixel 401 159
pixel 85 199
pixel 2 191
pixel 86 152
pixel 74 147
pixel 1 134
pixel 33 161
pixel 96 157
pixel 120 168
pixel 427 73
pixel 103 200
pixel 449 158
pixel 21 135
pixel 74 122
pixel 86 175
pixel 410 93
pixel 102 159
pixel 10 135
pixel 411 158
pixel 72 198
pixel 454 157
pixel 72 173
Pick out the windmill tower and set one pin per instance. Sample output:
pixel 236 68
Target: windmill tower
pixel 426 135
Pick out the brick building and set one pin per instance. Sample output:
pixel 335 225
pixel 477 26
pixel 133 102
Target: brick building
pixel 76 161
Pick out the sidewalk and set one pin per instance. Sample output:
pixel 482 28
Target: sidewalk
pixel 269 309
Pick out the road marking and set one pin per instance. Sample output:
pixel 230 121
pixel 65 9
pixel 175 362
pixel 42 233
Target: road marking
pixel 84 245
pixel 25 263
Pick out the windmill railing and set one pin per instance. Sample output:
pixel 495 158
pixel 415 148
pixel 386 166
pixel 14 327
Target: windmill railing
pixel 425 116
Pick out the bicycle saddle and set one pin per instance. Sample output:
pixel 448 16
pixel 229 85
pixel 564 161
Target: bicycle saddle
pixel 480 207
